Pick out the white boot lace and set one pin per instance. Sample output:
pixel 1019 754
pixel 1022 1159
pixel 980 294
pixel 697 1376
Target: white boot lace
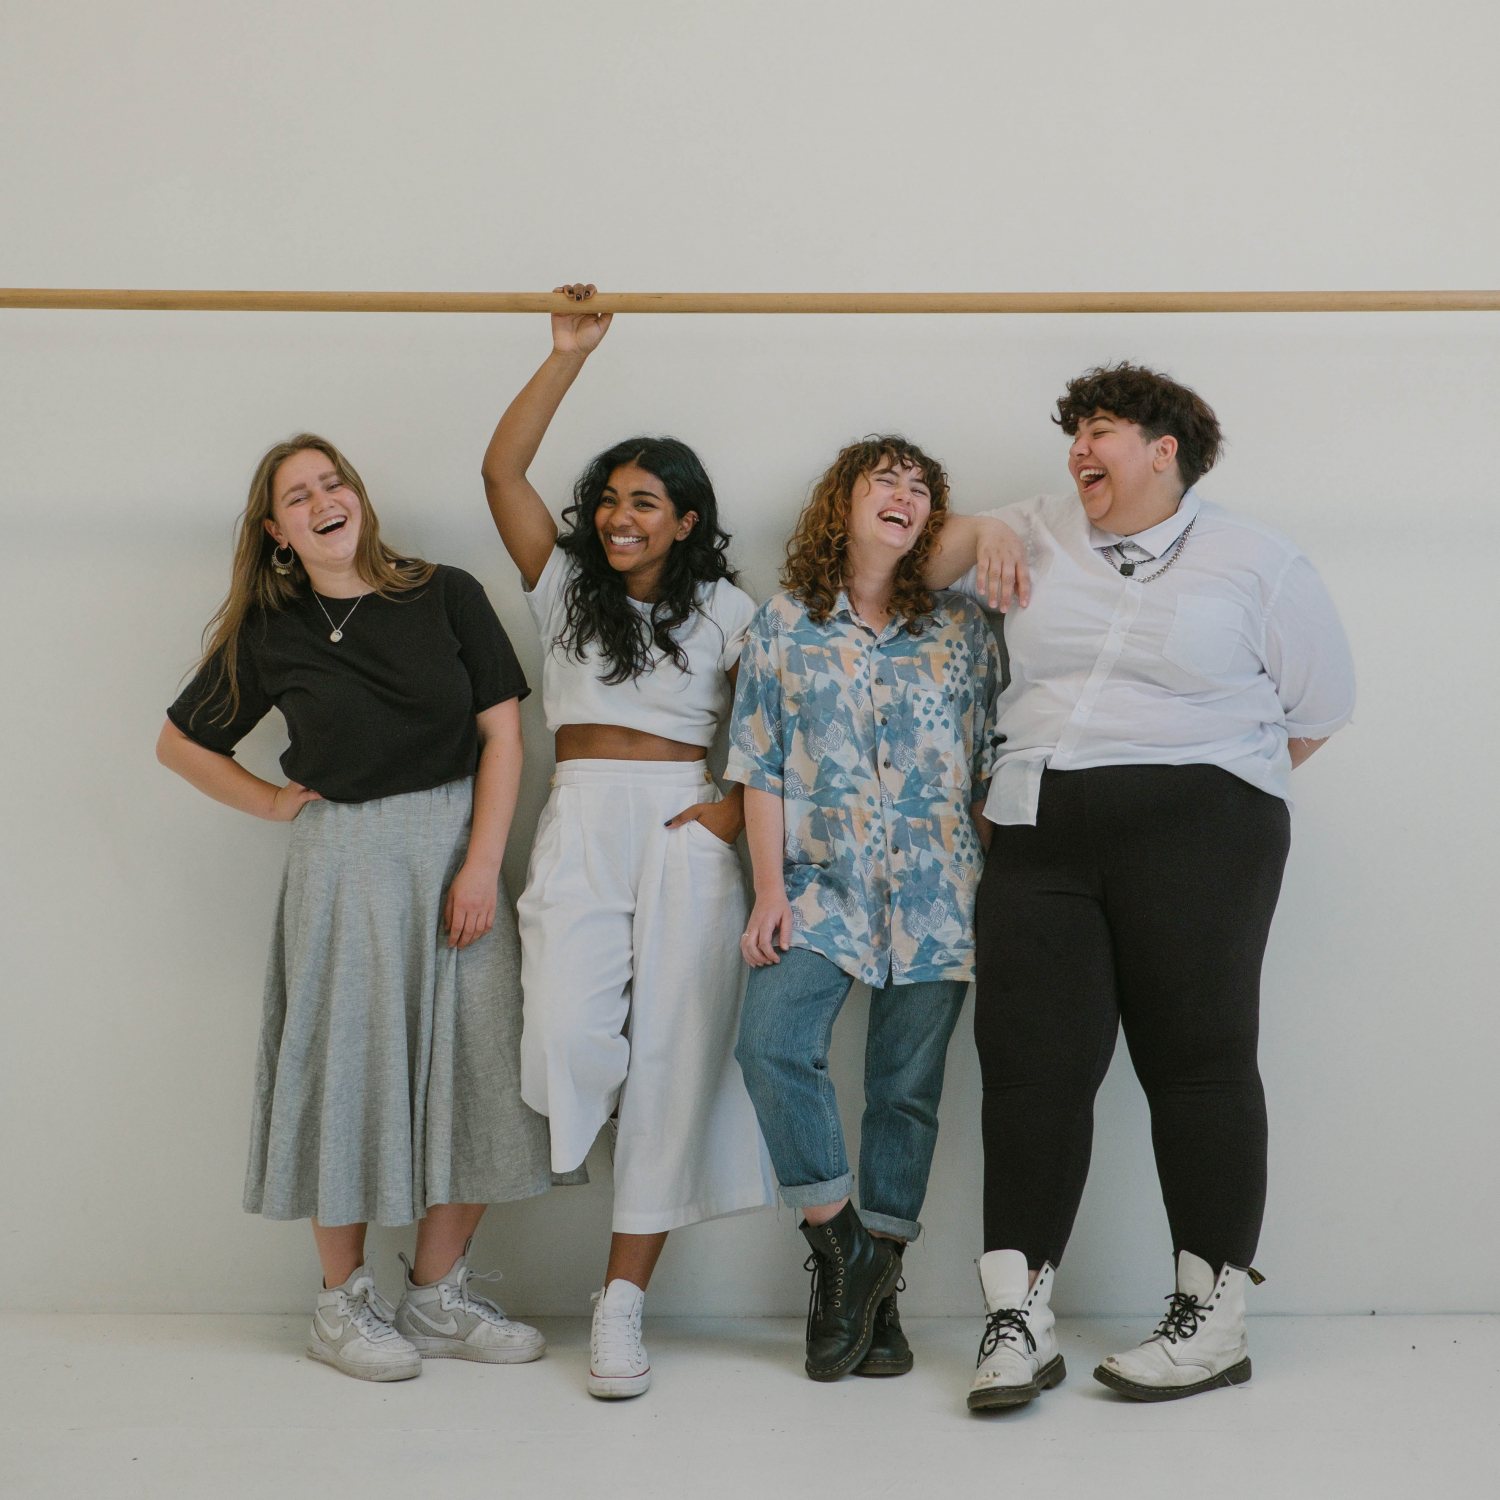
pixel 370 1313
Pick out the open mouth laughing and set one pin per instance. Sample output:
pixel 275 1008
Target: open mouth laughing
pixel 1090 479
pixel 332 524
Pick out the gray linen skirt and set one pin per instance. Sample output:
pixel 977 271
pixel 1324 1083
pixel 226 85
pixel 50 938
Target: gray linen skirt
pixel 389 1071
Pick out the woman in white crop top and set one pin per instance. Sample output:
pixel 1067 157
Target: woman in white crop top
pixel 635 899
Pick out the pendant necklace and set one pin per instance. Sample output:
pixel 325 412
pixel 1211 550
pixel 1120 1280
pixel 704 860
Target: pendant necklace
pixel 338 630
pixel 1125 568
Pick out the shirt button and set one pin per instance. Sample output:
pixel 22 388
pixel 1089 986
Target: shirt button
pixel 885 721
pixel 887 765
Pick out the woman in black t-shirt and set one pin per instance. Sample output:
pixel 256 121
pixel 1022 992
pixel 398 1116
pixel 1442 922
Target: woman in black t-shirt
pixel 388 1083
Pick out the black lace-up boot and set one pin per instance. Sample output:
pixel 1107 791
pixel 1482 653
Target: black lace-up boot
pixel 889 1354
pixel 852 1274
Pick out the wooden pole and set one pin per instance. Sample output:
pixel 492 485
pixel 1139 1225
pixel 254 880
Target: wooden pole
pixel 753 302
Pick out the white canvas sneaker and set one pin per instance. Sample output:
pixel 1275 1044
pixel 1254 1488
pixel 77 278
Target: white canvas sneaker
pixel 1018 1357
pixel 1200 1344
pixel 448 1321
pixel 351 1330
pixel 618 1366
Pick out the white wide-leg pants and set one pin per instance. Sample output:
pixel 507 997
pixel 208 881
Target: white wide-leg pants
pixel 632 976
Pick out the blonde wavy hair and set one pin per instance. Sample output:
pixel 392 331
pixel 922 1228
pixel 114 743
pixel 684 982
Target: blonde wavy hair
pixel 815 554
pixel 254 584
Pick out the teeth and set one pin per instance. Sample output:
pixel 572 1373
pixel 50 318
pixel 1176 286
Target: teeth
pixel 626 541
pixel 897 516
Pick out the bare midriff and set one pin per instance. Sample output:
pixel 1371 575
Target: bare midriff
pixel 614 742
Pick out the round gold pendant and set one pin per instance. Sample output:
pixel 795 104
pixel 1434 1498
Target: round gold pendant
pixel 337 635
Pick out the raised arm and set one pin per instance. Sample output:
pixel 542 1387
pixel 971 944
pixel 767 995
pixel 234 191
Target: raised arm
pixel 994 546
pixel 521 517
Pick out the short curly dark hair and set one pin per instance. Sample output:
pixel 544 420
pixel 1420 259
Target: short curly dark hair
pixel 1155 403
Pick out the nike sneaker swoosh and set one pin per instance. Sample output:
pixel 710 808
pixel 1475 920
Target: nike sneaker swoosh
pixel 327 1329
pixel 450 1327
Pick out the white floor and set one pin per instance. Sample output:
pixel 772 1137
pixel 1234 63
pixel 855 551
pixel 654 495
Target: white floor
pixel 222 1407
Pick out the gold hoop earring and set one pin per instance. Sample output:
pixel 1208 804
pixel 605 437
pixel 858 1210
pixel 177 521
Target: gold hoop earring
pixel 284 568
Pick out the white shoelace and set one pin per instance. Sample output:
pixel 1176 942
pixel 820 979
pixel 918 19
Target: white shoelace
pixel 370 1313
pixel 617 1336
pixel 459 1296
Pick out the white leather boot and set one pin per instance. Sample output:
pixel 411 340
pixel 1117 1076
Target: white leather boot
pixel 1018 1357
pixel 1200 1344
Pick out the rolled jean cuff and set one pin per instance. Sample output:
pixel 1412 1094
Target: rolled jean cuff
pixel 902 1229
pixel 815 1194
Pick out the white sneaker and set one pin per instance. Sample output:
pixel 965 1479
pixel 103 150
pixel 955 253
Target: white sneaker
pixel 1200 1344
pixel 1018 1357
pixel 351 1330
pixel 618 1366
pixel 448 1321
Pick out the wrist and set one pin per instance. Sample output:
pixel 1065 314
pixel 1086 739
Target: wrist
pixel 477 864
pixel 770 890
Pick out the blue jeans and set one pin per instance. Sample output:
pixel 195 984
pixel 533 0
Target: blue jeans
pixel 785 1030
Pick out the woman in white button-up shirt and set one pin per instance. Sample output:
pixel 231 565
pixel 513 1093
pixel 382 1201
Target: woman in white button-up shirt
pixel 1175 663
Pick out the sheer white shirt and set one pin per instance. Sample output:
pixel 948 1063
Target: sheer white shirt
pixel 1222 659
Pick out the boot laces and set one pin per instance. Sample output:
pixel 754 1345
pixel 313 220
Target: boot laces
pixel 1184 1314
pixel 370 1313
pixel 459 1296
pixel 1001 1327
pixel 821 1266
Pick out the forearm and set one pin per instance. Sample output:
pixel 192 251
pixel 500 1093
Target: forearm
pixel 218 776
pixel 524 425
pixel 765 832
pixel 956 551
pixel 497 784
pixel 1301 750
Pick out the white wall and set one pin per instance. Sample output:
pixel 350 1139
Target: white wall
pixel 743 146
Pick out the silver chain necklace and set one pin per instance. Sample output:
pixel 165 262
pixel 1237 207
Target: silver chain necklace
pixel 338 630
pixel 1126 569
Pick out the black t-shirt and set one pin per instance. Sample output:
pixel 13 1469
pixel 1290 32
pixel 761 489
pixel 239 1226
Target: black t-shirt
pixel 388 709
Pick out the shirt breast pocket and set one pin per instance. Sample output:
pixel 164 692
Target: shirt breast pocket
pixel 1205 634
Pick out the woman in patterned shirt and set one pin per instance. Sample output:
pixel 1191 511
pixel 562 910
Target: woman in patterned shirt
pixel 859 735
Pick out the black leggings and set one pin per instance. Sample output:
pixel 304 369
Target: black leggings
pixel 1142 896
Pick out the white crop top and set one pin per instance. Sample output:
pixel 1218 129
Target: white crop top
pixel 687 706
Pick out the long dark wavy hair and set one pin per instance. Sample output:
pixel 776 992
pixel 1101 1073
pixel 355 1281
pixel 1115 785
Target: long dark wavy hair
pixel 599 610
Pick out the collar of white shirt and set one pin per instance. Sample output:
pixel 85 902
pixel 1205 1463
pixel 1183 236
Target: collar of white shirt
pixel 1159 538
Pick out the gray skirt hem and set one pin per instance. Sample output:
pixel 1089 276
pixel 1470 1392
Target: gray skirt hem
pixel 372 1214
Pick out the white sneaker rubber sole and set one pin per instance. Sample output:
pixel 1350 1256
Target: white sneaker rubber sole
pixel 619 1387
pixel 440 1348
pixel 396 1370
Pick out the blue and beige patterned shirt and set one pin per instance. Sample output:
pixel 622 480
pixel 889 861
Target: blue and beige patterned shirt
pixel 876 745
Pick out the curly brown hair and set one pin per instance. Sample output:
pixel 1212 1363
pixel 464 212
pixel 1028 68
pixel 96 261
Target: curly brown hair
pixel 814 571
pixel 1155 403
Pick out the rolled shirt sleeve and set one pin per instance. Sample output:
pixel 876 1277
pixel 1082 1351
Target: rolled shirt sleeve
pixel 756 752
pixel 1307 654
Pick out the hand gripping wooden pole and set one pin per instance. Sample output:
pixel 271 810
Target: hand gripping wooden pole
pixel 753 302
